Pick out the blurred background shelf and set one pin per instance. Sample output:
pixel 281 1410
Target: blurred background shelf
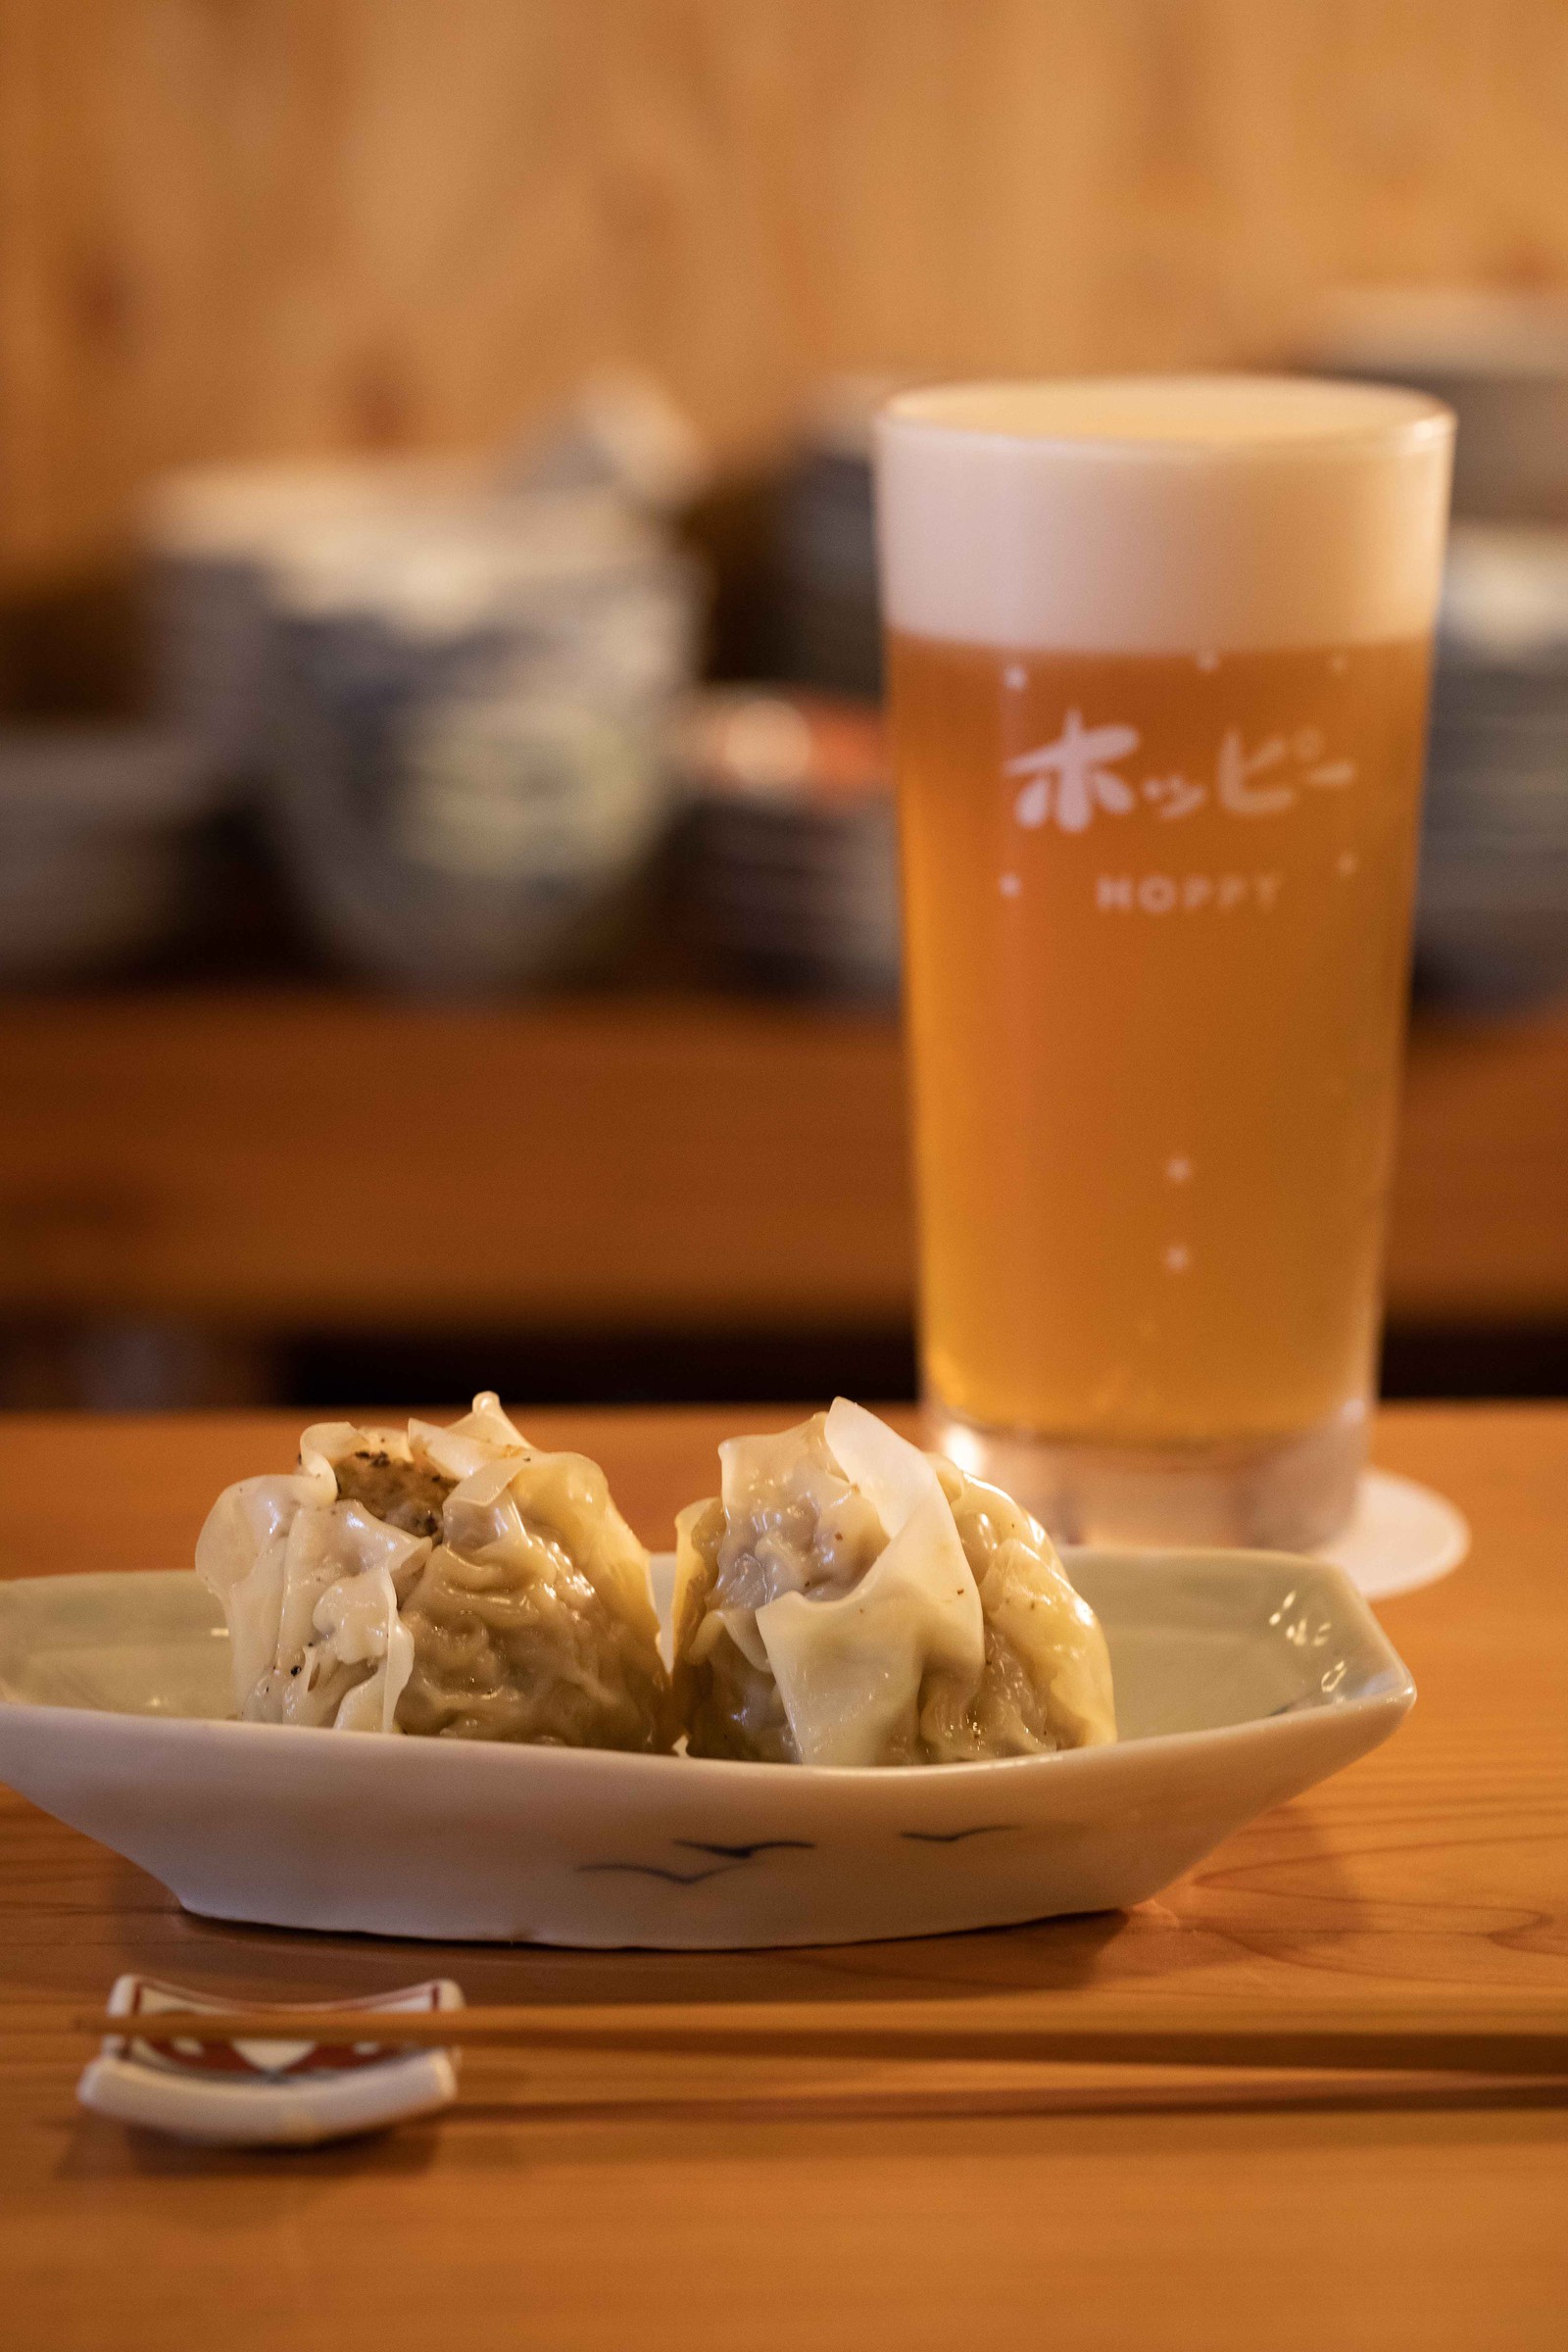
pixel 435 554
pixel 627 1194
pixel 650 1161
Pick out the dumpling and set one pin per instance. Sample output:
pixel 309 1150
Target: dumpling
pixel 311 1582
pixel 848 1600
pixel 448 1581
pixel 533 1618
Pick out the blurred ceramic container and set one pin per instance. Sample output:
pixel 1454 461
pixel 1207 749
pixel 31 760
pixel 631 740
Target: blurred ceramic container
pixel 469 753
pixel 1498 360
pixel 213 536
pixel 829 622
pixel 210 536
pixel 789 847
pixel 1492 920
pixel 96 832
pixel 622 432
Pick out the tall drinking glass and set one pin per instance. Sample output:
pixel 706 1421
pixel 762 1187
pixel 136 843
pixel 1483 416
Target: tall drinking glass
pixel 1158 652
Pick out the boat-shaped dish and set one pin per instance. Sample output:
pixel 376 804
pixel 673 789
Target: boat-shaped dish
pixel 1241 1678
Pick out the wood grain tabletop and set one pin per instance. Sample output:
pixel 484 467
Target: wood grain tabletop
pixel 629 2198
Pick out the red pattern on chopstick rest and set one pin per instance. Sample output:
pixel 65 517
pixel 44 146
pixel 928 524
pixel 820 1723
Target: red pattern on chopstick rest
pixel 230 2059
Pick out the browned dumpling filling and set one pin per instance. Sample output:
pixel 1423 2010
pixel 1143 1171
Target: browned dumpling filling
pixel 847 1600
pixel 533 1618
pixel 408 1495
pixel 451 1582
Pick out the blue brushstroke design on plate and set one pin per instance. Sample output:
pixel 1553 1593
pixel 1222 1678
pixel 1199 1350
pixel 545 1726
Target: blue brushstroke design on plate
pixel 744 1854
pixel 651 1870
pixel 727 1859
pixel 985 1829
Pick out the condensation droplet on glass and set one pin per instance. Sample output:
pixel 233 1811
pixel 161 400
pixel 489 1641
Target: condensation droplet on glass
pixel 1346 862
pixel 1010 885
pixel 1015 676
pixel 1178 1168
pixel 1178 1257
pixel 1339 663
pixel 1208 660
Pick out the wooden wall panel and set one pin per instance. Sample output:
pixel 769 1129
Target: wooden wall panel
pixel 243 225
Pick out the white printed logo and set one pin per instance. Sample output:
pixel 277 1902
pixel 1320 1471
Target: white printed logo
pixel 1075 765
pixel 1069 779
pixel 1186 894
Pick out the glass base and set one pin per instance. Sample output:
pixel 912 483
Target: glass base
pixel 1284 1495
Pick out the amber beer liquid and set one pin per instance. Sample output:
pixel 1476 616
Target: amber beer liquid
pixel 1158 658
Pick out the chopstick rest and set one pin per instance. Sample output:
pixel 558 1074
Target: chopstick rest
pixel 255 2093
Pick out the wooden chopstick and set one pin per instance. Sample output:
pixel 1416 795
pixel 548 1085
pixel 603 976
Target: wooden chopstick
pixel 1518 2038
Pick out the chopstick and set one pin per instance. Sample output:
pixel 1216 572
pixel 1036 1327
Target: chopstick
pixel 1518 2038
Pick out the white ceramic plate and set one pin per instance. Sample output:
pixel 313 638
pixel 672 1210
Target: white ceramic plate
pixel 1241 1678
pixel 267 2094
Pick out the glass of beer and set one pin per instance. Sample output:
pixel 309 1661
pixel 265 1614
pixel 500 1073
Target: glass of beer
pixel 1158 652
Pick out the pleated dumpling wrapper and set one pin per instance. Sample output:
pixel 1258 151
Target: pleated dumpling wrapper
pixel 848 1600
pixel 449 1581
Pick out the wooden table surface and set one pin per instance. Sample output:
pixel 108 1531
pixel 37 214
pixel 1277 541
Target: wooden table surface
pixel 623 2201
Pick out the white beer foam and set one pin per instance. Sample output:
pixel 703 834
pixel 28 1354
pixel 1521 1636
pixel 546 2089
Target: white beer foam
pixel 1188 514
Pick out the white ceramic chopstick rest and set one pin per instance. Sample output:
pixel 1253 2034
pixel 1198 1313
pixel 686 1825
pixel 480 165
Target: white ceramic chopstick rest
pixel 267 2094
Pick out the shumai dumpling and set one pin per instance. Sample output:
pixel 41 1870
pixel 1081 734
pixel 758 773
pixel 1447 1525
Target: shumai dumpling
pixel 848 1600
pixel 448 1581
